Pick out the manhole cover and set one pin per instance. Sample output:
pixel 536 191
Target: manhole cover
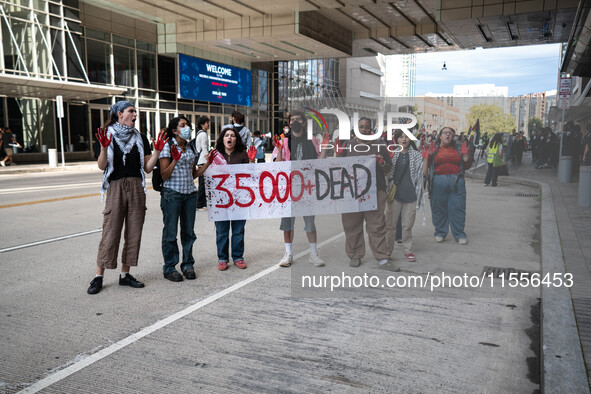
pixel 526 195
pixel 496 272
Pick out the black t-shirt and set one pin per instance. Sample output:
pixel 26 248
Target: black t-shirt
pixel 6 140
pixel 132 167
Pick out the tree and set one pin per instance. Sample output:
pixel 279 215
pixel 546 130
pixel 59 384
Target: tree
pixel 492 119
pixel 533 125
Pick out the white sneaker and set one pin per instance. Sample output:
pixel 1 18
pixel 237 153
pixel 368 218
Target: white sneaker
pixel 462 241
pixel 438 239
pixel 286 260
pixel 316 260
pixel 3 164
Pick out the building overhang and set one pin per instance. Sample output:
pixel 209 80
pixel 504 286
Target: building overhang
pixel 21 86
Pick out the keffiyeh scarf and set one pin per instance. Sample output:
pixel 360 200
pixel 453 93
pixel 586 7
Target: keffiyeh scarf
pixel 126 138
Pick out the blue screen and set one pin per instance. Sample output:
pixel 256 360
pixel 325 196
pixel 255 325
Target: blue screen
pixel 210 81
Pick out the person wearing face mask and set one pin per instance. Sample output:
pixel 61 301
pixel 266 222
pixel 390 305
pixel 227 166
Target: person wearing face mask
pixel 445 166
pixel 178 200
pixel 296 146
pixel 123 154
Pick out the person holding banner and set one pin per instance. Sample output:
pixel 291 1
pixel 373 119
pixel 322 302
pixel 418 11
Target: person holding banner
pixel 295 146
pixel 233 151
pixel 375 221
pixel 178 199
pixel 124 157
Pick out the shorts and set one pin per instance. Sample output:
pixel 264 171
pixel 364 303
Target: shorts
pixel 287 224
pixel 8 151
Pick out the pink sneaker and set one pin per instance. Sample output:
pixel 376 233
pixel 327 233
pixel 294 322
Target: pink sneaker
pixel 240 264
pixel 410 257
pixel 222 265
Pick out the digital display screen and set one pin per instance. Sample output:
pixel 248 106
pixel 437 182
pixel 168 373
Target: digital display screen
pixel 205 80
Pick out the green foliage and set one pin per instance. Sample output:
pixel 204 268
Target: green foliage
pixel 534 124
pixel 492 119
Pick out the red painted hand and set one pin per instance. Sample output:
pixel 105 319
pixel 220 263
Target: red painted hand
pixel 160 141
pixel 277 142
pixel 425 152
pixel 432 148
pixel 211 156
pixel 339 148
pixel 325 139
pixel 380 160
pixel 464 149
pixel 175 152
pixel 101 135
pixel 252 153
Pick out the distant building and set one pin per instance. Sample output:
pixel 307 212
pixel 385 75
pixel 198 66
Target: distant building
pixel 528 106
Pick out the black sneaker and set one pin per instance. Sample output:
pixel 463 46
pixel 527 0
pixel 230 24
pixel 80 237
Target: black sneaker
pixel 129 280
pixel 96 285
pixel 174 276
pixel 190 274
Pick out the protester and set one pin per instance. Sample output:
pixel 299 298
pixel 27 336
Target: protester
pixel 259 144
pixel 8 139
pixel 124 157
pixel 230 146
pixel 295 146
pixel 447 188
pixel 238 121
pixel 178 198
pixel 406 175
pixel 201 146
pixel 517 148
pixel 375 223
pixel 495 147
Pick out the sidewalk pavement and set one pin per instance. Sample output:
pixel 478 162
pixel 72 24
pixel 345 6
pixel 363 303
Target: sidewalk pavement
pixel 44 167
pixel 573 225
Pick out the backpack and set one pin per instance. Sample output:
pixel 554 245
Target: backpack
pixel 157 181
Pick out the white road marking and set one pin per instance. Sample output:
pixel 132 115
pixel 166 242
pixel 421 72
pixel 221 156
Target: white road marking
pixel 77 366
pixel 49 240
pixel 50 187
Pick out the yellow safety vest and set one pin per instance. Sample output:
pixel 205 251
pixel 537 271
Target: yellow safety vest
pixel 491 153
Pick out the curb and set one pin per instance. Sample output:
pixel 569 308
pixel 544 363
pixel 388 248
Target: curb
pixel 562 366
pixel 24 169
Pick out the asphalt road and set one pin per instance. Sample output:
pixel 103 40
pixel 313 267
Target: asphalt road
pixel 258 330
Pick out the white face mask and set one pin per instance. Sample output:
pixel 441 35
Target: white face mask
pixel 186 133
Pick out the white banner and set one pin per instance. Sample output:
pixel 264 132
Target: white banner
pixel 291 188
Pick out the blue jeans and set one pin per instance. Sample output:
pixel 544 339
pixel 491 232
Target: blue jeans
pixel 177 206
pixel 222 239
pixel 448 206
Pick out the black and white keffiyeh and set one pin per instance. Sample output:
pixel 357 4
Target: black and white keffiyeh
pixel 126 138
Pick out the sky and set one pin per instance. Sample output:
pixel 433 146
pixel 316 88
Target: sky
pixel 524 69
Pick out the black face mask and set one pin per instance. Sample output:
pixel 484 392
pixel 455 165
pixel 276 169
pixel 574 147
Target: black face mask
pixel 296 127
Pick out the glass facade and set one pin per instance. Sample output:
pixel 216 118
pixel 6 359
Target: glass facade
pixel 50 38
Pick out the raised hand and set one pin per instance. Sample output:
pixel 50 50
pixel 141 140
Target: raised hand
pixel 101 135
pixel 277 142
pixel 175 152
pixel 422 139
pixel 211 156
pixel 464 150
pixel 160 141
pixel 339 149
pixel 325 139
pixel 432 148
pixel 380 160
pixel 252 153
pixel 425 151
